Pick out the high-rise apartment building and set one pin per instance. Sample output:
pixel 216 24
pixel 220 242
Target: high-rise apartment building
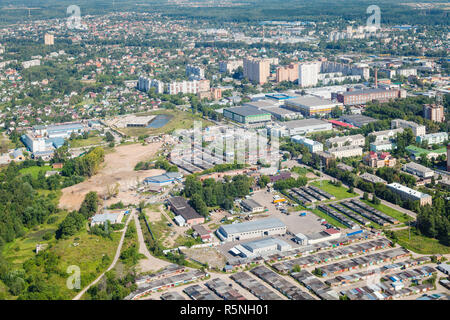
pixel 308 74
pixel 434 112
pixel 287 73
pixel 49 39
pixel 257 70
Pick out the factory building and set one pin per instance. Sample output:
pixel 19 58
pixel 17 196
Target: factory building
pixel 252 229
pixel 247 115
pixel 302 127
pixel 310 105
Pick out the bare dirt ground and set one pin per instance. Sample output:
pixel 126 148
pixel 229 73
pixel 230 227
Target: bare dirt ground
pixel 117 168
pixel 206 255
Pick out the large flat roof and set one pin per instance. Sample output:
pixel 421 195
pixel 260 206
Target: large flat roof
pixel 264 243
pixel 246 111
pixel 311 101
pixel 260 224
pixel 303 123
pixel 405 189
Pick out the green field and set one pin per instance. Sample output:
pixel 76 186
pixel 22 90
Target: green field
pixel 402 217
pixel 34 171
pixel 80 143
pixel 419 243
pixel 339 192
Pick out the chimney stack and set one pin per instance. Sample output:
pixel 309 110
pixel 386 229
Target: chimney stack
pixel 376 77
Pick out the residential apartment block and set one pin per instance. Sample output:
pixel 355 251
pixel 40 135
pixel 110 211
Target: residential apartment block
pixel 354 140
pixel 410 194
pixel 434 112
pixel 417 129
pixel 257 70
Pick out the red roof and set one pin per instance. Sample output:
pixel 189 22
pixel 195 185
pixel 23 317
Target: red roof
pixel 332 231
pixel 342 124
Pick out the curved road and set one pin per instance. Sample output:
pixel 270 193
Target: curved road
pixel 116 257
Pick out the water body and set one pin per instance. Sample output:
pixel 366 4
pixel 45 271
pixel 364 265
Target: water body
pixel 159 121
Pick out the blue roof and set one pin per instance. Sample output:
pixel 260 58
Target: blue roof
pixel 165 177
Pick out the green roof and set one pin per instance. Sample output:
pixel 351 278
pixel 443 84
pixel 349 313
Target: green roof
pixel 417 150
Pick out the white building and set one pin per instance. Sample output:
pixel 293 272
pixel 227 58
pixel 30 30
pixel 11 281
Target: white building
pixel 145 84
pixel 418 170
pixel 252 229
pixel 354 140
pixel 302 127
pixel 308 74
pixel 417 129
pixel 31 63
pixel 346 152
pixel 313 146
pixel 386 134
pixel 230 65
pixel 433 138
pixel 410 194
pixel 195 72
pixel 381 146
pixel 194 86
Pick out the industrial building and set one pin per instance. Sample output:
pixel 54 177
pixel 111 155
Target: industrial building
pixel 180 207
pixel 302 127
pixel 418 170
pixel 356 97
pixel 410 194
pixel 163 179
pixel 417 129
pixel 357 120
pixel 261 246
pixel 311 105
pixel 252 206
pixel 283 114
pixel 247 115
pixel 111 217
pixel 251 229
pixel 313 146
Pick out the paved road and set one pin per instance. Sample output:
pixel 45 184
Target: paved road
pixel 116 257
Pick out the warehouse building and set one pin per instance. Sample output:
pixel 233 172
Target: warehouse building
pixel 247 115
pixel 251 229
pixel 357 120
pixel 181 207
pixel 252 206
pixel 163 179
pixel 283 114
pixel 310 105
pixel 410 194
pixel 355 97
pixel 302 127
pixel 262 246
pixel 418 170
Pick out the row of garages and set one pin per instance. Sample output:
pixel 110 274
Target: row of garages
pixel 254 286
pixel 312 283
pixel 359 262
pixel 365 213
pixel 322 257
pixel 384 291
pixel 309 194
pixel 279 283
pixel 338 216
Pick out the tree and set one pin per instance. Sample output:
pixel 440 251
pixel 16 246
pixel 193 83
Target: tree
pixel 109 137
pixel 89 206
pixel 263 181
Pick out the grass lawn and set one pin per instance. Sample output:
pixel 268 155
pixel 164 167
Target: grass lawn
pixel 160 230
pixel 80 143
pixel 179 120
pixel 34 170
pixel 402 217
pixel 339 192
pixel 419 243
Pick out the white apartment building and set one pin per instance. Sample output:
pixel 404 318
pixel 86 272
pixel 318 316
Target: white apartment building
pixel 433 138
pixel 195 72
pixel 346 152
pixel 417 129
pixel 145 84
pixel 418 170
pixel 386 134
pixel 308 74
pixel 313 146
pixel 230 65
pixel 194 86
pixel 354 140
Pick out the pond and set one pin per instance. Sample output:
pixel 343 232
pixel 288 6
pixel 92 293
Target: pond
pixel 159 121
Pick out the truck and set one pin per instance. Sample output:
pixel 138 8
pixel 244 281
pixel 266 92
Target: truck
pixel 302 214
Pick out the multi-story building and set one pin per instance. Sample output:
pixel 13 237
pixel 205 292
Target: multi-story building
pixel 194 86
pixel 433 138
pixel 287 73
pixel 313 146
pixel 407 72
pixel 308 74
pixel 417 129
pixel 381 146
pixel 418 170
pixel 311 105
pixel 434 112
pixel 230 65
pixel 49 39
pixel 410 194
pixel 354 140
pixel 214 94
pixel 257 70
pixel 195 72
pixel 386 134
pixel 34 144
pixel 31 63
pixel 145 84
pixel 346 152
pixel 355 97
